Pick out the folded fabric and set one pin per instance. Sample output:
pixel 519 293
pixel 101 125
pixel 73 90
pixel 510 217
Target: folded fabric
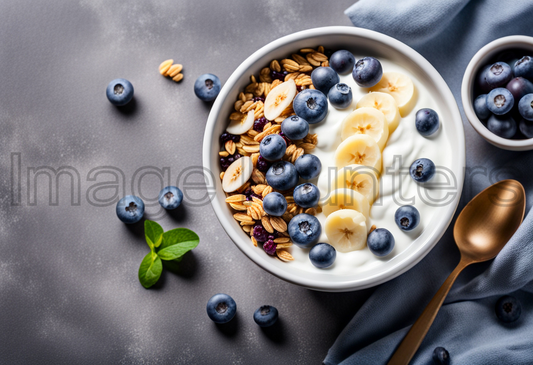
pixel 448 33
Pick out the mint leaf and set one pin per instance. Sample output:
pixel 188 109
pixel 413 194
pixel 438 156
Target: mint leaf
pixel 153 233
pixel 178 235
pixel 150 270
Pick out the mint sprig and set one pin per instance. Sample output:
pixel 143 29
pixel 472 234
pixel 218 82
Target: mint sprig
pixel 168 246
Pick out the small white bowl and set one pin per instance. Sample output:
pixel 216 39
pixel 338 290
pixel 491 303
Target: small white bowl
pixel 480 59
pixel 363 41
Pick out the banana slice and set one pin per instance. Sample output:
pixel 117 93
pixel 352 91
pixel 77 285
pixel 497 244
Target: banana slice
pixel 346 199
pixel 237 174
pixel 359 149
pixel 279 98
pixel 367 121
pixel 346 230
pixel 362 179
pixel 239 127
pixel 400 87
pixel 385 104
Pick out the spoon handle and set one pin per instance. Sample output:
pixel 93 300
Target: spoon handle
pixel 410 344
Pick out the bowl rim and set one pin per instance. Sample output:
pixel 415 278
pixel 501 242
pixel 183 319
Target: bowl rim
pixel 396 268
pixel 467 86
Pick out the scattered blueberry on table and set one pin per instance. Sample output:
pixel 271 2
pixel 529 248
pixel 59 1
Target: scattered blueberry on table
pixel 170 197
pixel 304 230
pixel 422 170
pixel 266 316
pixel 407 217
pixel 130 209
pixel 119 92
pixel 508 309
pixel 306 195
pixel 340 96
pixel 221 308
pixel 441 356
pixel 311 105
pixel 324 78
pixel 367 72
pixel 380 242
pixel 322 255
pixel 207 87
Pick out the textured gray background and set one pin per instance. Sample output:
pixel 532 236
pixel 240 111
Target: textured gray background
pixel 69 291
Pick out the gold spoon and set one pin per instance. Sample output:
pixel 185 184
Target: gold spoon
pixel 481 230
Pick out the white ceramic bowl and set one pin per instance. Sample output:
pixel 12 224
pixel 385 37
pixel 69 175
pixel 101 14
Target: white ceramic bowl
pixel 483 57
pixel 361 41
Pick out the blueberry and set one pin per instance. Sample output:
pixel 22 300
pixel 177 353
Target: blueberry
pixel 509 57
pixel 498 75
pixel 282 175
pixel 422 170
pixel 311 105
pixel 324 78
pixel 340 96
pixel 342 62
pixel 275 204
pixel 367 72
pixel 480 107
pixel 380 242
pixel 170 197
pixel 322 255
pixel 306 195
pixel 295 127
pixel 304 230
pixel 481 79
pixel 407 217
pixel 308 166
pixel 207 87
pixel 221 308
pixel 525 107
pixel 524 67
pixel 503 126
pixel 500 101
pixel 519 87
pixel 130 209
pixel 441 356
pixel 273 147
pixel 427 122
pixel 508 309
pixel 260 233
pixel 119 92
pixel 526 127
pixel 266 316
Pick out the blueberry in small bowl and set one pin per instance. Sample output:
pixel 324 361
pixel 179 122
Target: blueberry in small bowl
pixel 119 92
pixel 422 170
pixel 519 87
pixel 221 308
pixel 340 96
pixel 304 230
pixel 342 62
pixel 524 67
pixel 295 127
pixel 273 147
pixel 266 316
pixel 311 105
pixel 380 242
pixel 170 197
pixel 308 166
pixel 367 72
pixel 130 209
pixel 502 125
pixel 498 75
pixel 322 255
pixel 275 204
pixel 427 122
pixel 500 101
pixel 324 78
pixel 407 217
pixel 306 195
pixel 282 175
pixel 207 87
pixel 480 107
pixel 526 127
pixel 525 107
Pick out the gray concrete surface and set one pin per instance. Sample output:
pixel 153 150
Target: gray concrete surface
pixel 69 292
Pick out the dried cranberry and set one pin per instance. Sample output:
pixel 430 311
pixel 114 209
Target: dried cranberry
pixel 237 156
pixel 262 164
pixel 235 138
pixel 258 98
pixel 230 159
pixel 270 247
pixel 278 75
pixel 285 138
pixel 299 88
pixel 259 124
pixel 224 137
pixel 256 196
pixel 260 234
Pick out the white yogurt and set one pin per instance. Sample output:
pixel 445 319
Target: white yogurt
pixel 405 144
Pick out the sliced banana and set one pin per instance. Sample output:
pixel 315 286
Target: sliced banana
pixel 239 127
pixel 346 199
pixel 362 179
pixel 346 230
pixel 237 174
pixel 367 121
pixel 400 87
pixel 359 149
pixel 386 104
pixel 279 98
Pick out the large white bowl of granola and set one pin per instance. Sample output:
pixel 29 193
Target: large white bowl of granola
pixel 244 115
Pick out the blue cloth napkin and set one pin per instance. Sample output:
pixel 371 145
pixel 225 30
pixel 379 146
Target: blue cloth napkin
pixel 448 33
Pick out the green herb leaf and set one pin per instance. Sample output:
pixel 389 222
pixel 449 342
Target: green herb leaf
pixel 153 233
pixel 177 242
pixel 150 270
